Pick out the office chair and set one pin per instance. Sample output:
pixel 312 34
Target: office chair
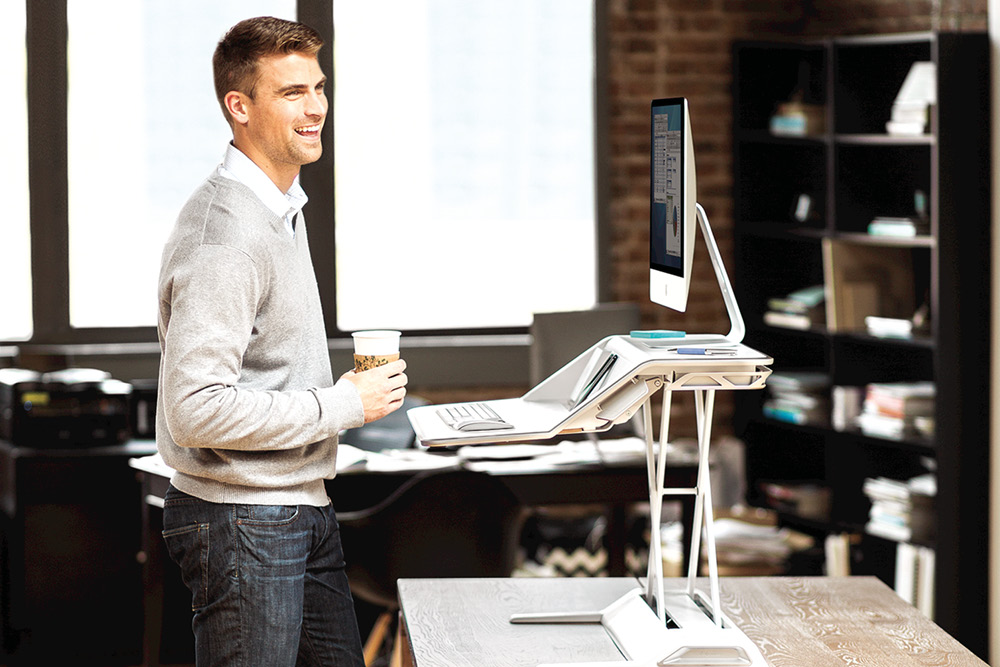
pixel 391 432
pixel 559 337
pixel 455 523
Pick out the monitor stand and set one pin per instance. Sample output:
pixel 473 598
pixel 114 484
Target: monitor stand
pixel 698 632
pixel 737 329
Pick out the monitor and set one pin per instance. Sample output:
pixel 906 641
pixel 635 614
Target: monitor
pixel 672 203
pixel 674 218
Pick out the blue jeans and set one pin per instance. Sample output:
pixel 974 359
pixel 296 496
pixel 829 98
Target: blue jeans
pixel 267 583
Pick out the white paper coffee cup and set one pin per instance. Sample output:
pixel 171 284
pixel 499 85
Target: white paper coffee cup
pixel 375 348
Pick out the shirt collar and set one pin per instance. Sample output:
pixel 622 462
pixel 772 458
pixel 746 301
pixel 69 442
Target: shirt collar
pixel 238 167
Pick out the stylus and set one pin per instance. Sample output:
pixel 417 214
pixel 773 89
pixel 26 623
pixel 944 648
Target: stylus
pixel 708 351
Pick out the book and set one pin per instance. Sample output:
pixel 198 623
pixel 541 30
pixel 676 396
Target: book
pixel 799 301
pixel 902 399
pixel 837 548
pixel 890 409
pixel 889 327
pixel 799 410
pixel 914 580
pixel 798 397
pixel 846 402
pixel 901 227
pixel 801 309
pixel 901 510
pixel 787 320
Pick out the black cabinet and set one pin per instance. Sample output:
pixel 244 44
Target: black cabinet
pixel 805 196
pixel 70 578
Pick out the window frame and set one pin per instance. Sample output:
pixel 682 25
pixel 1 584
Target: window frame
pixel 46 35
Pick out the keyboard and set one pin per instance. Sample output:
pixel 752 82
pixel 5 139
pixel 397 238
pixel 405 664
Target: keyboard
pixel 472 417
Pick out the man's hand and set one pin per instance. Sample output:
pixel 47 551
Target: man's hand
pixel 382 389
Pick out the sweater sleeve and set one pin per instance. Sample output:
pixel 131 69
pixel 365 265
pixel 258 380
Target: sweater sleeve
pixel 213 300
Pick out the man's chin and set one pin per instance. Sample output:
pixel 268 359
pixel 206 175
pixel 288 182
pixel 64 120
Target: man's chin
pixel 312 155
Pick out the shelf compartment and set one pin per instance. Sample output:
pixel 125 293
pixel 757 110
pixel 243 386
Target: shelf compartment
pixel 860 361
pixel 879 180
pixel 872 280
pixel 773 178
pixel 867 77
pixel 772 73
pixel 801 266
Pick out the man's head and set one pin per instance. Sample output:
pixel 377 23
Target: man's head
pixel 236 63
pixel 271 88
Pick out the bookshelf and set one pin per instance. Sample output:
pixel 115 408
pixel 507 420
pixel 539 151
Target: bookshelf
pixel 806 190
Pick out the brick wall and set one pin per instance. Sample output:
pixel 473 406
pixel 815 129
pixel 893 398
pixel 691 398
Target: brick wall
pixel 670 48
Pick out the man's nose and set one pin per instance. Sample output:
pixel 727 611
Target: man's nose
pixel 316 104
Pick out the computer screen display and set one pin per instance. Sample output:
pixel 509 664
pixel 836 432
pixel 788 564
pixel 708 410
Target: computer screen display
pixel 672 214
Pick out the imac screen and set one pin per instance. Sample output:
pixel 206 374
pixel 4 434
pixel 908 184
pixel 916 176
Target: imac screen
pixel 671 203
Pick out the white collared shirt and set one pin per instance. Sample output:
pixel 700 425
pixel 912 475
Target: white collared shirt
pixel 238 167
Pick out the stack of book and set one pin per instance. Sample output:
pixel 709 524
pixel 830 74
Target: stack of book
pixel 903 227
pixel 796 119
pixel 802 309
pixel 805 500
pixel 798 397
pixel 901 511
pixel 911 108
pixel 898 409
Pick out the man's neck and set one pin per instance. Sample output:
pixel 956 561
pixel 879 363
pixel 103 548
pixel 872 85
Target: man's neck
pixel 282 175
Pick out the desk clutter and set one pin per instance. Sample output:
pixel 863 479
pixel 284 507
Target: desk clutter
pixel 498 458
pixel 73 407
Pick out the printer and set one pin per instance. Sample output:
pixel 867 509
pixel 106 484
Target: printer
pixel 70 408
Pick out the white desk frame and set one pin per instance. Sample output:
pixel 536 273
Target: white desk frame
pixel 703 636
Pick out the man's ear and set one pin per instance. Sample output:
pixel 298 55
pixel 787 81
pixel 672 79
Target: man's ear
pixel 237 105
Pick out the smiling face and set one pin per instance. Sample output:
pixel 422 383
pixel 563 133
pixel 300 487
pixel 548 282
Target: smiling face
pixel 279 127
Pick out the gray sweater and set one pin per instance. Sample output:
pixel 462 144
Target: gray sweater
pixel 247 410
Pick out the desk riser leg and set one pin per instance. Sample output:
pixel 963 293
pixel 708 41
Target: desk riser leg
pixel 655 548
pixel 704 408
pixel 656 467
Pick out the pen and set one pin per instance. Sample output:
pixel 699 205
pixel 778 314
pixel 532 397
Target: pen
pixel 707 351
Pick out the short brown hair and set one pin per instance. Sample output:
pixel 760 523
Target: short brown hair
pixel 238 54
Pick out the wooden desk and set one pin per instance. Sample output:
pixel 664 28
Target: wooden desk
pixel 796 621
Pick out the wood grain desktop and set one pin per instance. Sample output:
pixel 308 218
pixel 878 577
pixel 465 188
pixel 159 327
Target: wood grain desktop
pixel 795 621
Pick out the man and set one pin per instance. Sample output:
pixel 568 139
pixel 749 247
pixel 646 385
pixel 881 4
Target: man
pixel 248 412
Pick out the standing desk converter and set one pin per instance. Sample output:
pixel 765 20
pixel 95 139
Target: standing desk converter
pixel 580 398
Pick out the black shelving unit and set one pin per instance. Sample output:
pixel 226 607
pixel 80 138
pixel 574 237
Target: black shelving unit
pixel 852 170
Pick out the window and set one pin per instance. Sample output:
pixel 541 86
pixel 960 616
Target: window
pixel 464 162
pixel 121 101
pixel 15 267
pixel 144 129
